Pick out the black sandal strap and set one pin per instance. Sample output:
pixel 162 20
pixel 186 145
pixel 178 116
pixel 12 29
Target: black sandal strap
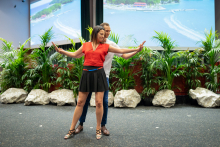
pixel 98 131
pixel 71 131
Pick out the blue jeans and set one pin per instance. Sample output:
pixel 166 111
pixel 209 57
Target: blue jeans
pixel 105 107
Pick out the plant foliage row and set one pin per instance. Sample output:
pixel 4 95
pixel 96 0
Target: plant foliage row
pixel 158 69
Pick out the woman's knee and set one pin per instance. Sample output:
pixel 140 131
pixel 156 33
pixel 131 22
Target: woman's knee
pixel 82 99
pixel 99 104
pixel 80 103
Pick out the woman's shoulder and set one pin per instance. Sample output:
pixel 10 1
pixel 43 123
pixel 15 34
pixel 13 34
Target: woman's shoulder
pixel 105 47
pixel 87 43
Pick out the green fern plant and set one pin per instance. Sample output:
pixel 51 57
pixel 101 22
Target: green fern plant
pixel 66 75
pixel 148 56
pixel 166 59
pixel 124 72
pixel 7 51
pixel 77 70
pixel 193 68
pixel 44 73
pixel 114 37
pixel 70 77
pixel 14 67
pixel 211 53
pixel 90 29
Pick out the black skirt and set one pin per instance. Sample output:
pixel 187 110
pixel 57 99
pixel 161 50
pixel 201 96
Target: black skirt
pixel 93 81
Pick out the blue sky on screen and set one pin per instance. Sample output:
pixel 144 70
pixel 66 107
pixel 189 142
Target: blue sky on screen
pixel 34 5
pixel 184 21
pixel 66 21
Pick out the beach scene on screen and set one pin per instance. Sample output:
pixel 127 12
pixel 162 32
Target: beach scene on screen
pixel 183 20
pixel 63 15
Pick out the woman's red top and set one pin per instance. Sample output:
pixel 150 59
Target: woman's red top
pixel 97 57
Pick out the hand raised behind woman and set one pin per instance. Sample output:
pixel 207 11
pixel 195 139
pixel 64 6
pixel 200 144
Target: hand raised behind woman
pixel 57 49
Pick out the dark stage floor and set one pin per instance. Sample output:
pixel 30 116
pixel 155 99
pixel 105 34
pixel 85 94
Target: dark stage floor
pixel 144 126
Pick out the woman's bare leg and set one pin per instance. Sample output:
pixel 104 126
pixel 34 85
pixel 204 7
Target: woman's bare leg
pixel 99 109
pixel 79 108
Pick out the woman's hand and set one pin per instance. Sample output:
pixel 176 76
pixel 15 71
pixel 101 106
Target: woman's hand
pixel 141 46
pixel 57 49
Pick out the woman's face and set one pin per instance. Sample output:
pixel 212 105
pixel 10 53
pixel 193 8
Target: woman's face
pixel 100 35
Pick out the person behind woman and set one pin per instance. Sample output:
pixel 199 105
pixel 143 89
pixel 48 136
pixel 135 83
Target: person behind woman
pixel 93 78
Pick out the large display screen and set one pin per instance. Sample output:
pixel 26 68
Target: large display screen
pixel 183 20
pixel 63 15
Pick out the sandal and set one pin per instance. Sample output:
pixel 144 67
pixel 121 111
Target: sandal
pixel 70 133
pixel 98 134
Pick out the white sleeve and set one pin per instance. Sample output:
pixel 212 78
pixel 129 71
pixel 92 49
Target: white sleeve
pixel 116 46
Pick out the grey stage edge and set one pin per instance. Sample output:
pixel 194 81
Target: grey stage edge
pixel 45 126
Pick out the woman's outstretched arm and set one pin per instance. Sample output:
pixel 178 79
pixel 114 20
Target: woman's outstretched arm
pixel 122 51
pixel 75 54
pixel 79 56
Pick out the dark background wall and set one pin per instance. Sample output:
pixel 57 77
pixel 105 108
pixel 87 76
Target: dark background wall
pixel 217 15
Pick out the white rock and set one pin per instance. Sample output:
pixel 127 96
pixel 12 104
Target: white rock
pixel 62 97
pixel 37 96
pixel 205 97
pixel 127 98
pixel 12 95
pixel 110 99
pixel 165 98
pixel 92 100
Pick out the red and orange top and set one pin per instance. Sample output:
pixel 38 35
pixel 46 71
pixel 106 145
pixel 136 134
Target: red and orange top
pixel 94 58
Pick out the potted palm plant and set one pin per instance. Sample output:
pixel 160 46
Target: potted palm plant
pixel 165 63
pixel 14 66
pixel 43 74
pixel 123 73
pixel 193 68
pixel 193 72
pixel 149 75
pixel 72 75
pixel 211 53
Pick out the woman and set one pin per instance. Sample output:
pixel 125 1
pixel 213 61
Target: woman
pixel 93 78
